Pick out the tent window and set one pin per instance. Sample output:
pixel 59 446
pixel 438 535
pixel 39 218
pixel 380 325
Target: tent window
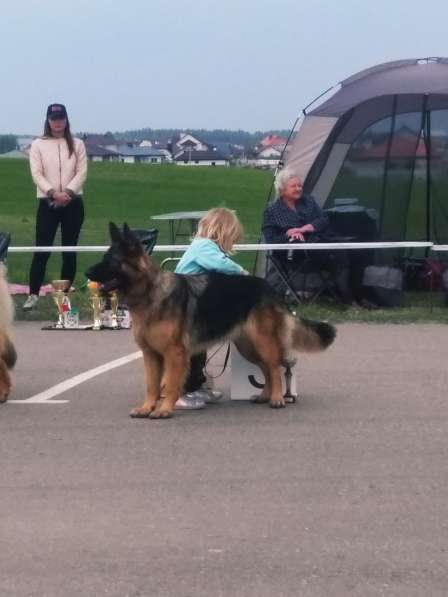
pixel 362 173
pixel 386 169
pixel 439 175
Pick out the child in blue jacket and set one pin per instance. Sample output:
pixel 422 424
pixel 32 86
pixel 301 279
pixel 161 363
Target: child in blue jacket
pixel 217 232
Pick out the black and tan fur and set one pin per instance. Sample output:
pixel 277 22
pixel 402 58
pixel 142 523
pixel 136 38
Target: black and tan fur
pixel 175 316
pixel 7 351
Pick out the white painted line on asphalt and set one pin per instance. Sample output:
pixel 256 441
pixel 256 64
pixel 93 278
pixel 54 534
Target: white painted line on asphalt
pixel 38 402
pixel 45 396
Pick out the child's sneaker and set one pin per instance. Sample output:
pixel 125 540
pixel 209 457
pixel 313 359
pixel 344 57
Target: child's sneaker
pixel 190 401
pixel 30 302
pixel 209 396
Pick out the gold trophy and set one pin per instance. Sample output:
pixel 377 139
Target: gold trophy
pixel 97 303
pixel 60 287
pixel 114 308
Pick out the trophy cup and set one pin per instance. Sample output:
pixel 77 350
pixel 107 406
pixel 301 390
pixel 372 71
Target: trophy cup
pixel 96 302
pixel 114 308
pixel 288 396
pixel 59 289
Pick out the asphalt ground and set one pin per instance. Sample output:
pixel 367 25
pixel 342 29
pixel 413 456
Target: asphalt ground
pixel 342 494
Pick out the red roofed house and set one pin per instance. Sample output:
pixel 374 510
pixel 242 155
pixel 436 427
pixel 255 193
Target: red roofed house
pixel 272 140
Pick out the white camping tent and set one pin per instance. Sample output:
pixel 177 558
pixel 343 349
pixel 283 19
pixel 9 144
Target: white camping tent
pixel 381 136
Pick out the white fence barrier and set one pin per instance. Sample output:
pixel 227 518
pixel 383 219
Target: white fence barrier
pixel 245 247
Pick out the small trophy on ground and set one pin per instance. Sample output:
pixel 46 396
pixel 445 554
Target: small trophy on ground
pixel 113 297
pixel 60 287
pixel 97 302
pixel 288 396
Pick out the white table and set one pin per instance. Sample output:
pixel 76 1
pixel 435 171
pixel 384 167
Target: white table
pixel 175 220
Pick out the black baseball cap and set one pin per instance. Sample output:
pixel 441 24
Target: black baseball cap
pixel 56 111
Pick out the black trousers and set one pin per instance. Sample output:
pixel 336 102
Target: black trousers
pixel 196 375
pixel 48 218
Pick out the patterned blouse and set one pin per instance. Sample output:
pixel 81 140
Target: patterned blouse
pixel 278 218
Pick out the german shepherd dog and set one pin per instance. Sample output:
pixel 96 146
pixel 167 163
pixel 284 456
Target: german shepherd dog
pixel 175 316
pixel 8 354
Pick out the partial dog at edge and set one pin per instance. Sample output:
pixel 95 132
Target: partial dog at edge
pixel 8 354
pixel 175 316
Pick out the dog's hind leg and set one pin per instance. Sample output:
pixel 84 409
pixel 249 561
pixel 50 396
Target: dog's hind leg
pixel 175 371
pixel 153 377
pixel 247 350
pixel 263 332
pixel 271 367
pixel 265 395
pixel 5 381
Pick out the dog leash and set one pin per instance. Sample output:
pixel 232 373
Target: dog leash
pixel 226 360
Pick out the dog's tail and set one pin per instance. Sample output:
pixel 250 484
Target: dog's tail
pixel 312 336
pixel 7 349
pixel 6 304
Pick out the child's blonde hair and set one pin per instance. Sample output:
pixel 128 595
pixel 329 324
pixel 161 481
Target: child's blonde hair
pixel 222 226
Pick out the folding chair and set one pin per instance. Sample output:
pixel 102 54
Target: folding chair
pixel 169 260
pixel 302 281
pixel 5 239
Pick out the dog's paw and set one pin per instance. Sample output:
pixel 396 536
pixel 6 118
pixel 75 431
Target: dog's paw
pixel 280 403
pixel 161 414
pixel 140 413
pixel 4 392
pixel 259 399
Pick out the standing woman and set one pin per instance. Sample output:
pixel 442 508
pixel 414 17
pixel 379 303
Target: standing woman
pixel 58 164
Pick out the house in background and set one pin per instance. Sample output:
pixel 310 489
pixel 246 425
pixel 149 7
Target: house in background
pixel 105 148
pixel 229 150
pixel 107 140
pixel 96 153
pixel 185 142
pixel 267 152
pixel 192 157
pixel 271 140
pixel 268 157
pixel 140 155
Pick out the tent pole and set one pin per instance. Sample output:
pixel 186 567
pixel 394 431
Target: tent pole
pixel 386 163
pixel 280 165
pixel 428 167
pixel 420 136
pixel 280 160
pixel 316 99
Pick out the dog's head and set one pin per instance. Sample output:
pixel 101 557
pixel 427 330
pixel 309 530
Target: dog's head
pixel 121 263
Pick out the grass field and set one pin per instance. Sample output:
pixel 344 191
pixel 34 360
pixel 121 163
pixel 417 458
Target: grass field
pixel 131 193
pixel 134 193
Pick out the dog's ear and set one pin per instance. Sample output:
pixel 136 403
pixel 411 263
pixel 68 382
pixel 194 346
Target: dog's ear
pixel 127 232
pixel 130 238
pixel 115 234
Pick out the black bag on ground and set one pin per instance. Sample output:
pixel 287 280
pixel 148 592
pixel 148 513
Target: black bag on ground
pixel 383 285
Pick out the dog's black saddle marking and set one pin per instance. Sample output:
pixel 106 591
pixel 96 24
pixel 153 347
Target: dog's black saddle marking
pixel 226 301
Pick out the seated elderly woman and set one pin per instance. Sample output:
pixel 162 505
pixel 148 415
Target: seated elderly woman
pixel 295 218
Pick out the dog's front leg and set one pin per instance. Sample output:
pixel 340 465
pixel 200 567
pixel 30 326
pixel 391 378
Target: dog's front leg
pixel 175 369
pixel 153 376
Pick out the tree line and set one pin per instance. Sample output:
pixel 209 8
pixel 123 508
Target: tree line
pixel 7 143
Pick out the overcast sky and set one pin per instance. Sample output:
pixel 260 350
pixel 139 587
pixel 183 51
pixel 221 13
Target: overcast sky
pixel 250 64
